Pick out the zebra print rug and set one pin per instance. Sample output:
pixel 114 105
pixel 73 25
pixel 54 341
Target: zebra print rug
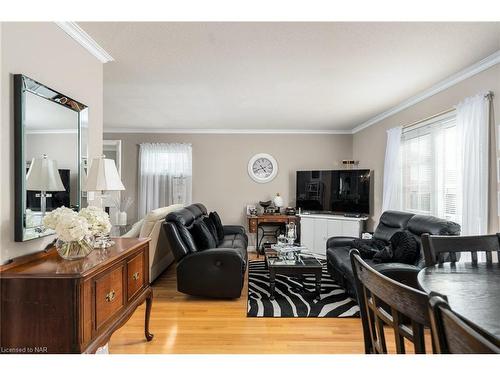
pixel 293 300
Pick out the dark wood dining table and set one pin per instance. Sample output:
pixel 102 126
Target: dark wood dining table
pixel 473 292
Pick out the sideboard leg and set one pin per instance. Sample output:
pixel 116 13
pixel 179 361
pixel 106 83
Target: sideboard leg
pixel 149 303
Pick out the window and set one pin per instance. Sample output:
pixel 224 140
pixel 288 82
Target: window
pixel 429 168
pixel 165 175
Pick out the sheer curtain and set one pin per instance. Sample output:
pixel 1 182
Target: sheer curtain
pixel 165 175
pixel 472 141
pixel 391 198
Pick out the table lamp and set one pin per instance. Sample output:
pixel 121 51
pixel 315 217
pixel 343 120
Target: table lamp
pixel 43 176
pixel 103 176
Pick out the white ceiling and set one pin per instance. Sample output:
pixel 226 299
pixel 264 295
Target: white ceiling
pixel 282 76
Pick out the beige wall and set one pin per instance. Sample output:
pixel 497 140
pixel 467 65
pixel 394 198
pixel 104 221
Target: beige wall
pixel 220 178
pixel 45 53
pixel 369 144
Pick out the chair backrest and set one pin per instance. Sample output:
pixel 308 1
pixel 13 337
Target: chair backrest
pixel 383 300
pixel 438 249
pixel 419 225
pixel 452 335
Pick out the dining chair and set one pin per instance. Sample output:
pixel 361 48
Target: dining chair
pixel 453 335
pixel 439 249
pixel 385 301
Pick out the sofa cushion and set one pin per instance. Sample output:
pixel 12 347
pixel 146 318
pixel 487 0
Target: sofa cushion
pixel 197 209
pixel 211 227
pixel 420 224
pixel 154 216
pixel 182 217
pixel 390 223
pixel 202 236
pixel 135 231
pixel 214 216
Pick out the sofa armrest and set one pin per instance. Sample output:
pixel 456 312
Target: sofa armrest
pixel 403 273
pixel 340 241
pixel 135 230
pixel 233 229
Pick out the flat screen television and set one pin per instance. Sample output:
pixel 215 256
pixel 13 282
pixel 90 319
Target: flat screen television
pixel 334 191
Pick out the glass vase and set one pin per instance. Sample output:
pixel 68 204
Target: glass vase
pixel 72 250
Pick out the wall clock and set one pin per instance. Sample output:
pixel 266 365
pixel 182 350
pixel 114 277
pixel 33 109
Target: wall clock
pixel 262 168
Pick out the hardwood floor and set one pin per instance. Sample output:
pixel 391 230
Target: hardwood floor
pixel 183 324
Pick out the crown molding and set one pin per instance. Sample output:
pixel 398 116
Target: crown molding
pixel 85 40
pixel 225 131
pixel 468 72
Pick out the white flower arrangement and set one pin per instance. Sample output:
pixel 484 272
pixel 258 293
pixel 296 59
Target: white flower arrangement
pixel 75 229
pixel 98 220
pixel 51 219
pixel 73 226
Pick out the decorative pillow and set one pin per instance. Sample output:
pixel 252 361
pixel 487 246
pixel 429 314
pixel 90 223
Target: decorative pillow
pixel 211 227
pixel 368 248
pixel 214 216
pixel 202 236
pixel 404 248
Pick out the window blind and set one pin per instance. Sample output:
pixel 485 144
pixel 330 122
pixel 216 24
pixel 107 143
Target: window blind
pixel 429 168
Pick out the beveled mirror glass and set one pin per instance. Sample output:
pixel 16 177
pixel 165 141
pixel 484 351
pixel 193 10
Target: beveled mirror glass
pixel 51 150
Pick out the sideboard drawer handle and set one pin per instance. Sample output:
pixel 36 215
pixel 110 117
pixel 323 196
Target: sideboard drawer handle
pixel 135 276
pixel 110 296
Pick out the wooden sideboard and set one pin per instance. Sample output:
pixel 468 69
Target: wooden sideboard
pixel 51 305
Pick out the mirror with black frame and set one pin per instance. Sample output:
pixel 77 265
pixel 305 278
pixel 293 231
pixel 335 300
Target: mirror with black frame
pixel 50 154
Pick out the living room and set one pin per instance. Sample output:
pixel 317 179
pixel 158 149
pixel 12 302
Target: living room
pixel 281 188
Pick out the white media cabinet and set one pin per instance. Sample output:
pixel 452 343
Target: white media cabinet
pixel 316 229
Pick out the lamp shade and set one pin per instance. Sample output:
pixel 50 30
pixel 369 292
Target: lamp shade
pixel 43 175
pixel 103 175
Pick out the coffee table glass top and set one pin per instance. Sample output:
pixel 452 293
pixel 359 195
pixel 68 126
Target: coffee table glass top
pixel 302 260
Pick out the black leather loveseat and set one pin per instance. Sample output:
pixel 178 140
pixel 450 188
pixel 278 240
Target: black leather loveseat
pixel 339 262
pixel 216 272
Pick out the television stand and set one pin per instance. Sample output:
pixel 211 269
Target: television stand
pixel 316 229
pixel 353 215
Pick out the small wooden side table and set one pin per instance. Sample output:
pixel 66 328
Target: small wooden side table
pixel 257 223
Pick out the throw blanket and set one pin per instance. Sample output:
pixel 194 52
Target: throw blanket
pixel 403 248
pixel 369 248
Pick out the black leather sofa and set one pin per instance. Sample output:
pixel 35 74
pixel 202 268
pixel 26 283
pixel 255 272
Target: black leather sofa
pixel 339 262
pixel 215 272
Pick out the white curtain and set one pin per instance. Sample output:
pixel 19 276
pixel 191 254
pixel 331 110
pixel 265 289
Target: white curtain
pixel 165 175
pixel 472 141
pixel 391 199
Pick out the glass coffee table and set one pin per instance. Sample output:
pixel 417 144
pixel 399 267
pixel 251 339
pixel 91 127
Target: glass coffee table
pixel 299 266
